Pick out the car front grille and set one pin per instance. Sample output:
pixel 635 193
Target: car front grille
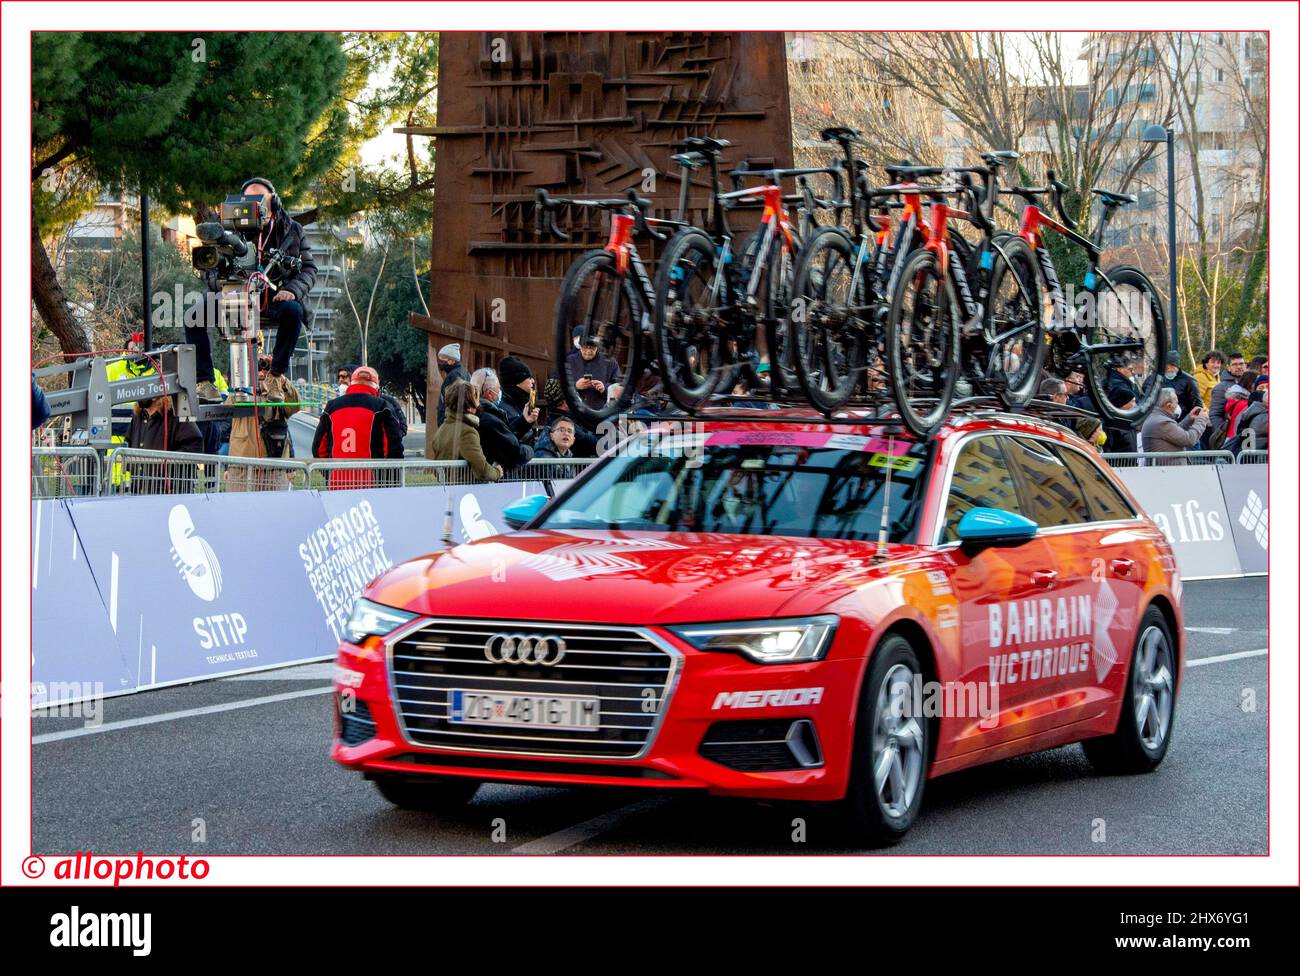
pixel 625 668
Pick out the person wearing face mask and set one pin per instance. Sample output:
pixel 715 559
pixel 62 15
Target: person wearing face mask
pixel 1163 432
pixel 1182 383
pixel 451 369
pixel 344 378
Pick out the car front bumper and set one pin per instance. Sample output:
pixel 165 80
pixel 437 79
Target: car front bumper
pixel 728 726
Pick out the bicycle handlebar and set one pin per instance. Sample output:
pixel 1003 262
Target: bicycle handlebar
pixel 1058 190
pixel 544 217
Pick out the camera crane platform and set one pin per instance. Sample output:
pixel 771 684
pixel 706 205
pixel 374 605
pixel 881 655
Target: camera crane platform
pixel 232 250
pixel 90 396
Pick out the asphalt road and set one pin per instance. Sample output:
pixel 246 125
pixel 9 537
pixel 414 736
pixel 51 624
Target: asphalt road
pixel 257 774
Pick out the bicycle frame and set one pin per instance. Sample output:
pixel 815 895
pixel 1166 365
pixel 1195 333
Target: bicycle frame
pixel 627 257
pixel 1032 220
pixel 971 309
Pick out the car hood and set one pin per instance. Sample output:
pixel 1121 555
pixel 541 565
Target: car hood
pixel 630 577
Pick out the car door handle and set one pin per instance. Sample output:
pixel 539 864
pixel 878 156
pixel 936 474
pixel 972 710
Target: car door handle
pixel 1122 567
pixel 1044 579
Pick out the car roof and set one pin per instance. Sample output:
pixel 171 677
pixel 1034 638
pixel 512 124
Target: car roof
pixel 870 423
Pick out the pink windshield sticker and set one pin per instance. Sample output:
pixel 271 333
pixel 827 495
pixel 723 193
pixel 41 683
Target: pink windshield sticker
pixel 898 447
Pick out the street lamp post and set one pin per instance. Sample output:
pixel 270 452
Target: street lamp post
pixel 146 274
pixel 1158 133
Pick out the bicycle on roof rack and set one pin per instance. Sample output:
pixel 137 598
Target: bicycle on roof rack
pixel 1118 315
pixel 842 278
pixel 715 316
pixel 606 295
pixel 982 317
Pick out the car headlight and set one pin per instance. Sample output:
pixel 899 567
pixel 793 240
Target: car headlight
pixel 781 641
pixel 373 620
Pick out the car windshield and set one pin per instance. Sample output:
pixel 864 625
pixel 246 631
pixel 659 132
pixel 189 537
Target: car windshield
pixel 818 485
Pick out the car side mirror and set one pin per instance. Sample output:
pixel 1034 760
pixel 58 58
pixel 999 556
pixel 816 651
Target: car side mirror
pixel 994 526
pixel 520 513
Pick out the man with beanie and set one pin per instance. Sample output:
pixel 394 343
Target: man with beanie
pixel 285 311
pixel 1182 383
pixel 357 426
pixel 518 395
pixel 451 369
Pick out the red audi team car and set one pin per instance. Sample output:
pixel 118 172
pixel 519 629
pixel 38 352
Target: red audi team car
pixel 784 608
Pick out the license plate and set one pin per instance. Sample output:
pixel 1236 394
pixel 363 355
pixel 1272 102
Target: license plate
pixel 545 711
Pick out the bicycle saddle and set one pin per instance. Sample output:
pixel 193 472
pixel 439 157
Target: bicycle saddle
pixel 1113 199
pixel 692 160
pixel 840 133
pixel 999 157
pixel 705 144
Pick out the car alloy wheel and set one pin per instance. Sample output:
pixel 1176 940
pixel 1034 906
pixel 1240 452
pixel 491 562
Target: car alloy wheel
pixel 1153 691
pixel 898 744
pixel 1146 719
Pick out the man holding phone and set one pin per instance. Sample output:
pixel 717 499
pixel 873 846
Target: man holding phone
pixel 593 372
pixel 1163 432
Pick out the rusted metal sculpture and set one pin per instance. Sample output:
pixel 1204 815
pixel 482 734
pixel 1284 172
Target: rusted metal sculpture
pixel 574 113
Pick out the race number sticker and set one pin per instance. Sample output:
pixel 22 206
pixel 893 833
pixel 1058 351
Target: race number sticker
pixel 890 461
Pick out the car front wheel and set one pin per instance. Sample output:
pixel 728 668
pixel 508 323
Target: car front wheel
pixel 891 753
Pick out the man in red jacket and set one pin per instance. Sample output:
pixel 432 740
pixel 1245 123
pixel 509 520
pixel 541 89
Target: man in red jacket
pixel 357 426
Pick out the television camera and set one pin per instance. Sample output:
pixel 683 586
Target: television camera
pixel 232 248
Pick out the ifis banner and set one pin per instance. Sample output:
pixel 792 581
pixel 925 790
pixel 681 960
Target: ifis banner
pixel 1188 504
pixel 131 593
pixel 1245 494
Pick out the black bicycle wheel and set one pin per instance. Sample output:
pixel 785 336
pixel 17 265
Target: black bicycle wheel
pixel 923 344
pixel 835 336
pixel 692 353
pixel 772 308
pixel 596 300
pixel 1017 305
pixel 1126 326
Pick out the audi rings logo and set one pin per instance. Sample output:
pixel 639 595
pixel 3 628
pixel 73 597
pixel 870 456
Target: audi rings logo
pixel 524 649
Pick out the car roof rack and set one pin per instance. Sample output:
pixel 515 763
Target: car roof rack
pixel 867 415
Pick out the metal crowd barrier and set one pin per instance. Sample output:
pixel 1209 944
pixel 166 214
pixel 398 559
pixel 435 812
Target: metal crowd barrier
pixel 1252 457
pixel 418 472
pixel 132 471
pixel 1139 459
pixel 65 472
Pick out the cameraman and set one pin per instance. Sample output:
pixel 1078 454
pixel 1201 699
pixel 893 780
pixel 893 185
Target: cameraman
pixel 285 311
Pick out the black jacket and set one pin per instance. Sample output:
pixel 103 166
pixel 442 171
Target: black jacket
pixel 1120 391
pixel 500 445
pixel 288 236
pixel 396 410
pixel 513 403
pixel 150 432
pixel 602 368
pixel 457 372
pixel 1189 394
